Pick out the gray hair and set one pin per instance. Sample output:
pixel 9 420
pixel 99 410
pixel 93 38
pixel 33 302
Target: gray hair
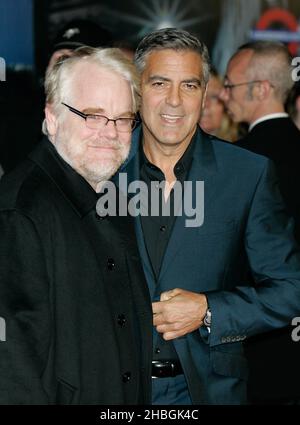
pixel 271 61
pixel 60 74
pixel 175 39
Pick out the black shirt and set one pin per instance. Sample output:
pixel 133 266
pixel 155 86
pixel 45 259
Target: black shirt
pixel 157 229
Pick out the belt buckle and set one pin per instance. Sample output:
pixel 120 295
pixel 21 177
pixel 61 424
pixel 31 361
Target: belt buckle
pixel 166 365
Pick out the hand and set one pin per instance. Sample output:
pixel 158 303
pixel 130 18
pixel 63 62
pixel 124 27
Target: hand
pixel 178 312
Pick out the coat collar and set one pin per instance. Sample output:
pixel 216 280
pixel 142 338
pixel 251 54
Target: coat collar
pixel 75 188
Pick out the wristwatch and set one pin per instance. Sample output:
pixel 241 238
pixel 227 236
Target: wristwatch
pixel 207 318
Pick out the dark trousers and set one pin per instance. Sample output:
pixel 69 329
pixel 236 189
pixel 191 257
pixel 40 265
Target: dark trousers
pixel 170 391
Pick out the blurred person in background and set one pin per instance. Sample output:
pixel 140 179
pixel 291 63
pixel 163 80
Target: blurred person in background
pixel 257 83
pixel 292 105
pixel 77 33
pixel 214 119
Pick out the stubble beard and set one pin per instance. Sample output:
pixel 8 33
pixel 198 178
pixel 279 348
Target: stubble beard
pixel 94 173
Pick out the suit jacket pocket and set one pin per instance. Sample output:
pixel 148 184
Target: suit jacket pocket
pixel 229 364
pixel 65 392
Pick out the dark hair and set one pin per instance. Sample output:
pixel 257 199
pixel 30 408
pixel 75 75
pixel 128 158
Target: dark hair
pixel 175 39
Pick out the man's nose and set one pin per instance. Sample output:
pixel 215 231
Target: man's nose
pixel 109 130
pixel 174 96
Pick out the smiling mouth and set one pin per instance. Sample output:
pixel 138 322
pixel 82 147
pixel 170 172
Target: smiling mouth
pixel 171 119
pixel 104 147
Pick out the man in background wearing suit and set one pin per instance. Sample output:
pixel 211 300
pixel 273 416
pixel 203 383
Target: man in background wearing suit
pixel 72 291
pixel 203 306
pixel 257 82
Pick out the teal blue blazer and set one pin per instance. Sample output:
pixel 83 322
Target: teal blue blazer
pixel 245 223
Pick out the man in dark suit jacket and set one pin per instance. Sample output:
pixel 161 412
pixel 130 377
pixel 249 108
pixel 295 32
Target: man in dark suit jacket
pixel 203 305
pixel 73 298
pixel 257 82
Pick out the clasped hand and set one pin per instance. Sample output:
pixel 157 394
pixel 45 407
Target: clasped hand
pixel 178 312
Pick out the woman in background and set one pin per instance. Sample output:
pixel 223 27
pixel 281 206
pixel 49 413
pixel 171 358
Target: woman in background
pixel 214 119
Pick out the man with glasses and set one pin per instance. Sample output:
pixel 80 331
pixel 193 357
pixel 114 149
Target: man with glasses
pixel 257 82
pixel 72 291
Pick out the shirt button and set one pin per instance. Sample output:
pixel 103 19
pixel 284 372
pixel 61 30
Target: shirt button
pixel 121 320
pixel 163 228
pixel 110 263
pixel 157 350
pixel 126 377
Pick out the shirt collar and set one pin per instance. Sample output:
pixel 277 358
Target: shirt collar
pixel 181 166
pixel 268 117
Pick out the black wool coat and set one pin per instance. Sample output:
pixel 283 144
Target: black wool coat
pixel 72 293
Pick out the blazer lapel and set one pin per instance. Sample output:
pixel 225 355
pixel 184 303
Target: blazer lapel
pixel 203 169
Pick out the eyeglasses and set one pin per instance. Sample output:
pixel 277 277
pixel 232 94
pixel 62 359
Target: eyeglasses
pixel 228 86
pixel 97 122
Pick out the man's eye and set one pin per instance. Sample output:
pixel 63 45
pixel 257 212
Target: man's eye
pixel 190 86
pixel 95 117
pixel 158 83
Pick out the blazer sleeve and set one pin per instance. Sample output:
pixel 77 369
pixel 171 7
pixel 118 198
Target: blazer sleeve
pixel 274 259
pixel 24 311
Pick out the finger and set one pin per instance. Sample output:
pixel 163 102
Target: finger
pixel 164 327
pixel 157 307
pixel 176 333
pixel 167 295
pixel 158 320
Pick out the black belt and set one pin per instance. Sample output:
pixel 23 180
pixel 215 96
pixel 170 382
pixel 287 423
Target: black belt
pixel 166 369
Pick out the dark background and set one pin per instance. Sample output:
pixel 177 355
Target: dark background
pixel 27 27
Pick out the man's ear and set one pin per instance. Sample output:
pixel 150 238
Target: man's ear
pixel 263 89
pixel 51 120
